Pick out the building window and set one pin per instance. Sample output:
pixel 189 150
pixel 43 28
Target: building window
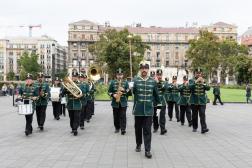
pixel 148 54
pixel 176 54
pixel 91 27
pixel 176 38
pixel 90 55
pixel 186 46
pixel 83 63
pixel 48 51
pixel 83 54
pixel 158 47
pixel 186 38
pixel 41 45
pixel 83 45
pixel 158 63
pixel 148 38
pixel 158 38
pixel 167 64
pixel 75 27
pixel 83 36
pixel 33 45
pixel 176 63
pixel 26 46
pixel 75 54
pixel 223 38
pixel 167 47
pixel 83 27
pixel 91 37
pixel 34 51
pixel 222 29
pixel 19 46
pixel 176 46
pixel 186 63
pixel 214 29
pixel 195 37
pixel 74 63
pixel 167 55
pixel 74 45
pixel 230 29
pixel 167 38
pixel 158 54
pixel 91 62
pixel 75 36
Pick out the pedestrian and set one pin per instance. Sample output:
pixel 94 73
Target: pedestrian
pixel 217 95
pixel 4 89
pixel 11 87
pixel 248 95
pixel 18 87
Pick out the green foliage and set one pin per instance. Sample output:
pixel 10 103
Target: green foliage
pixel 22 75
pixel 29 64
pixel 1 76
pixel 244 68
pixel 12 75
pixel 204 53
pixel 61 74
pixel 100 89
pixel 8 77
pixel 113 49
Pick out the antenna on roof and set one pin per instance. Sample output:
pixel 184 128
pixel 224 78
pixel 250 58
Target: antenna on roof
pixel 186 24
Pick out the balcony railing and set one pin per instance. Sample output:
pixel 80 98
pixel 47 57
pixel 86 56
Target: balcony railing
pixel 165 41
pixel 82 39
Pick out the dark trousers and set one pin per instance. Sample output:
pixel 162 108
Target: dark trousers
pixel 41 114
pixel 199 110
pixel 11 92
pixel 170 109
pixel 62 109
pixel 155 119
pixel 162 119
pixel 92 108
pixel 87 112
pixel 217 97
pixel 185 110
pixel 29 119
pixel 74 116
pixel 56 109
pixel 143 128
pixel 120 117
pixel 82 115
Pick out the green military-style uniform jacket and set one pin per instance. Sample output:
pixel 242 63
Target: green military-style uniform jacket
pixel 86 94
pixel 144 90
pixel 198 96
pixel 113 88
pixel 167 92
pixel 162 87
pixel 185 95
pixel 45 87
pixel 28 92
pixel 74 103
pixel 93 89
pixel 173 96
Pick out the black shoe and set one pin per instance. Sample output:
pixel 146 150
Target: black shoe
pixel 190 124
pixel 148 154
pixel 178 119
pixel 26 133
pixel 92 113
pixel 163 132
pixel 117 130
pixel 90 117
pixel 155 130
pixel 138 148
pixel 194 130
pixel 75 132
pixel 58 118
pixel 82 127
pixel 222 103
pixel 72 131
pixel 41 128
pixel 123 132
pixel 204 130
pixel 182 123
pixel 170 119
pixel 88 121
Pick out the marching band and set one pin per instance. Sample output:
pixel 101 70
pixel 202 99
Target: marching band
pixel 151 96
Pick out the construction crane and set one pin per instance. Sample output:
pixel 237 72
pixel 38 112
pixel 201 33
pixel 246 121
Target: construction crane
pixel 30 28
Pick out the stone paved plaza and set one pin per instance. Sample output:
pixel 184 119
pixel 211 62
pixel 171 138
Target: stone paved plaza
pixel 227 145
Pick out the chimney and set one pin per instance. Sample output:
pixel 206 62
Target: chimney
pixel 138 25
pixel 195 24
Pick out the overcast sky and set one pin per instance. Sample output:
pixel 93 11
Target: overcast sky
pixel 55 15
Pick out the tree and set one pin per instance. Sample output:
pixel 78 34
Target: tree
pixel 22 75
pixel 8 77
pixel 244 68
pixel 12 75
pixel 62 73
pixel 113 49
pixel 204 53
pixel 30 63
pixel 1 76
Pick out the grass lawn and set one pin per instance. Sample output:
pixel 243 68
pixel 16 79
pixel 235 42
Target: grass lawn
pixel 227 95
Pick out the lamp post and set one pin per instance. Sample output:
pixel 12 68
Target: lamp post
pixel 53 63
pixel 129 37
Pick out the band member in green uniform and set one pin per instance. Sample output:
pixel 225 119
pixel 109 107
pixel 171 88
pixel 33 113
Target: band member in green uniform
pixel 83 100
pixel 56 104
pixel 88 112
pixel 155 117
pixel 173 98
pixel 28 91
pixel 42 101
pixel 117 91
pixel 198 86
pixel 144 88
pixel 92 99
pixel 63 107
pixel 74 105
pixel 184 102
pixel 161 86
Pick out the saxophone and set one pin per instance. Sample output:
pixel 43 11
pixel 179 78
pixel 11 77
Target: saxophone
pixel 119 93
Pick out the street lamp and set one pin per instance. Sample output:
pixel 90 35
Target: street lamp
pixel 53 63
pixel 79 64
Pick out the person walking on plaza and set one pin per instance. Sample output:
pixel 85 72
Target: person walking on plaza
pixel 173 98
pixel 154 117
pixel 56 104
pixel 248 94
pixel 217 94
pixel 198 86
pixel 11 87
pixel 89 98
pixel 118 92
pixel 184 102
pixel 63 101
pixel 42 101
pixel 18 87
pixel 144 89
pixel 28 91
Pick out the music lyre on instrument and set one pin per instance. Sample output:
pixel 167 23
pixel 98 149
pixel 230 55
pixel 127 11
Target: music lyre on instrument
pixel 119 93
pixel 71 86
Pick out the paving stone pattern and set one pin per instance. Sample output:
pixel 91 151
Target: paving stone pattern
pixel 227 145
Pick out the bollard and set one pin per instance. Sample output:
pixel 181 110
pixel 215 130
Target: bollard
pixel 13 99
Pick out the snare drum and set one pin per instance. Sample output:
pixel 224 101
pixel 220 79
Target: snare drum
pixel 25 107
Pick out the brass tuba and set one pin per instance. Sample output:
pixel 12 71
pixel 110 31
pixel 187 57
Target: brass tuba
pixel 71 86
pixel 94 72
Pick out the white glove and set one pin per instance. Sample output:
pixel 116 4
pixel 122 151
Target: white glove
pixel 158 111
pixel 131 84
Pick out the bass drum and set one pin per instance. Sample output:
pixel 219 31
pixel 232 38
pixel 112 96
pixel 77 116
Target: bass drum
pixel 55 94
